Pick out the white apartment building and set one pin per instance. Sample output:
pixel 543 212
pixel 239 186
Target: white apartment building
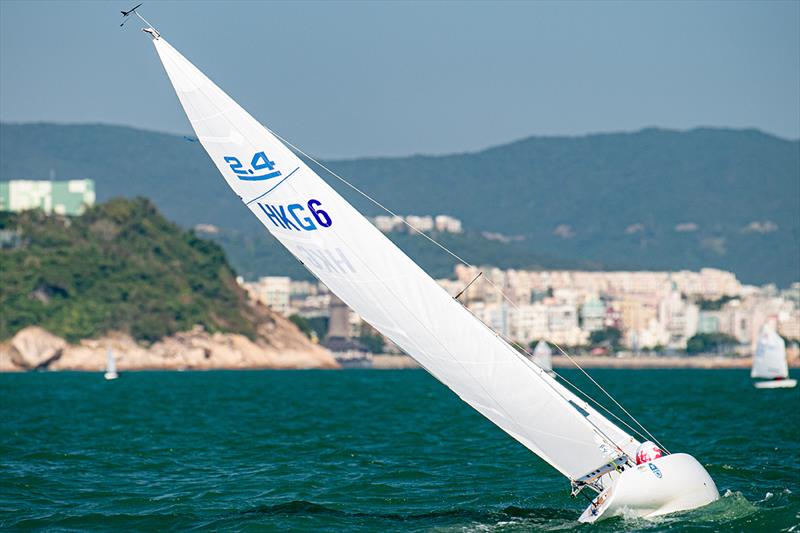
pixel 388 224
pixel 421 223
pixel 272 291
pixel 447 224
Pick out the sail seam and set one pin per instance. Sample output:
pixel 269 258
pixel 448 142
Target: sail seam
pixel 273 188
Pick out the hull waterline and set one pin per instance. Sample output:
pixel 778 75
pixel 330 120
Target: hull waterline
pixel 776 384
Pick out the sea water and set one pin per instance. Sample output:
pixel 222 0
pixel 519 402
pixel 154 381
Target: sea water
pixel 359 450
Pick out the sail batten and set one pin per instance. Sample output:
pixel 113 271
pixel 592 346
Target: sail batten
pixel 386 288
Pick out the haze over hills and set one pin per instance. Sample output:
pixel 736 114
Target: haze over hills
pixel 653 199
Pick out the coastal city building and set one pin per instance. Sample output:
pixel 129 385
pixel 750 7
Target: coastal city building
pixel 447 224
pixel 421 223
pixel 70 197
pixel 641 310
pixel 425 223
pixel 272 291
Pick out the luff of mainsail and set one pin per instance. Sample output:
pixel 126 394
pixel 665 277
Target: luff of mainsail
pixel 386 288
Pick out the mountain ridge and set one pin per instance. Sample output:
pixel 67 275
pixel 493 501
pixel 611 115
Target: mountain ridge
pixel 651 199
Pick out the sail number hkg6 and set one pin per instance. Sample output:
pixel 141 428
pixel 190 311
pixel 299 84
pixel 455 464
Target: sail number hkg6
pixel 294 217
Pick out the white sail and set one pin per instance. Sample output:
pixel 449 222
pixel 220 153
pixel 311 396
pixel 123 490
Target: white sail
pixel 769 361
pixel 543 355
pixel 111 363
pixel 386 288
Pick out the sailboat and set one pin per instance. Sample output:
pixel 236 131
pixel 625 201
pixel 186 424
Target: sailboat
pixel 543 357
pixel 769 361
pixel 111 365
pixel 339 246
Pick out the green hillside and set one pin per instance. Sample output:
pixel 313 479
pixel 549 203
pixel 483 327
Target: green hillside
pixel 650 199
pixel 120 266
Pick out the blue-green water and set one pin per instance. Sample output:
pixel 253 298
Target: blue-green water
pixel 358 450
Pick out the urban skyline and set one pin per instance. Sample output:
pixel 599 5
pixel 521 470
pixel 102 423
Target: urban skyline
pixel 652 310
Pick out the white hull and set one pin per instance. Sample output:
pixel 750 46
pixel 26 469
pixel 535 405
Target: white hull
pixel 111 375
pixel 669 484
pixel 775 384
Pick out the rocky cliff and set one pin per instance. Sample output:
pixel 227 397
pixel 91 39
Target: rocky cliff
pixel 278 345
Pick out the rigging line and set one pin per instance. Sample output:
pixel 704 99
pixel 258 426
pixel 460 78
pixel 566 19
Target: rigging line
pixel 579 367
pixel 146 22
pixel 539 372
pixel 374 201
pixel 635 431
pixel 464 262
pixel 612 398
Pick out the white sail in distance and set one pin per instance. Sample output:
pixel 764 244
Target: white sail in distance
pixel 769 361
pixel 386 288
pixel 543 355
pixel 111 363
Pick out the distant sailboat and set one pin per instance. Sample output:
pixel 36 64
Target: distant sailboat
pixel 393 294
pixel 769 361
pixel 111 365
pixel 543 356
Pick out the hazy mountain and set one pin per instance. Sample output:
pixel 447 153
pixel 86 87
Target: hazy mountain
pixel 651 199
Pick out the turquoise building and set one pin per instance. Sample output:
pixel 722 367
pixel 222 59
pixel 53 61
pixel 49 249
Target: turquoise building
pixel 70 197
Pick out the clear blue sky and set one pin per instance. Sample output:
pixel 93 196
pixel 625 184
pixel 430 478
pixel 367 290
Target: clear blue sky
pixel 381 78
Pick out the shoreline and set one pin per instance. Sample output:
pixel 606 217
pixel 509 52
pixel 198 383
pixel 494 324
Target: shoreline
pixel 708 362
pixel 665 362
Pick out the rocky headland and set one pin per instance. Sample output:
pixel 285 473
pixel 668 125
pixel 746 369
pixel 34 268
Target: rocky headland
pixel 122 277
pixel 280 346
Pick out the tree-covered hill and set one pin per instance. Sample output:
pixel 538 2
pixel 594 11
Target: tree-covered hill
pixel 120 266
pixel 655 199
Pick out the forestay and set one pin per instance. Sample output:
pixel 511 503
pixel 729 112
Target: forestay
pixel 769 360
pixel 390 292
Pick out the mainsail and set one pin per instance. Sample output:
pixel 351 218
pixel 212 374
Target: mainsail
pixel 390 292
pixel 769 361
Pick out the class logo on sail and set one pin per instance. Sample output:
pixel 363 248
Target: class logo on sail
pixel 261 168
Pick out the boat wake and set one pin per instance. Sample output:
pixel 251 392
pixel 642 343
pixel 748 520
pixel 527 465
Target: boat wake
pixel 732 509
pixel 305 508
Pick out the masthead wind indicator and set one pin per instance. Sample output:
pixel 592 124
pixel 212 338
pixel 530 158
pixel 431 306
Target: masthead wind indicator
pixel 132 11
pixel 126 14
